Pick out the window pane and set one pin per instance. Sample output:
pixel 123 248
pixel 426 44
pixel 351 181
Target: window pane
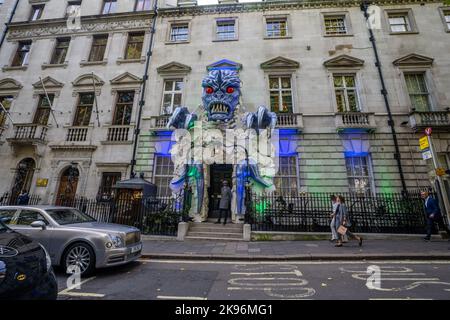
pixel 178 85
pixel 338 81
pixel 349 81
pixel 273 83
pixel 177 100
pixel 340 100
pixel 287 102
pixel 286 83
pixel 168 85
pixel 352 101
pixel 274 102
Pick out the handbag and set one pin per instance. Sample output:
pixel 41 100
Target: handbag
pixel 342 230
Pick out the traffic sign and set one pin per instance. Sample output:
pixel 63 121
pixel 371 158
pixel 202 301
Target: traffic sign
pixel 423 143
pixel 440 171
pixel 426 154
pixel 428 131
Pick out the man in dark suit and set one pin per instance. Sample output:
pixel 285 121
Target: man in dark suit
pixel 432 211
pixel 225 201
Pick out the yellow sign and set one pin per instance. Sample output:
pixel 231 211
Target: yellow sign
pixel 21 277
pixel 41 182
pixel 440 171
pixel 423 142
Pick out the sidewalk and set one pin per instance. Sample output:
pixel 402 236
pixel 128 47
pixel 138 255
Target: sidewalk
pixel 415 249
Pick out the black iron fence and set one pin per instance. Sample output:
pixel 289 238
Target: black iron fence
pixel 380 213
pixel 156 216
pixel 9 199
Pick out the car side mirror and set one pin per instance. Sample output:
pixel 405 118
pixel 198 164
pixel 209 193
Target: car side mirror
pixel 39 224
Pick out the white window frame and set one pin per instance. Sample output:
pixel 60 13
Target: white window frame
pixel 280 90
pixel 427 84
pixel 216 29
pixel 172 92
pixel 444 13
pixel 347 22
pixel 175 24
pixel 408 14
pixel 371 184
pixel 155 175
pixel 281 176
pixel 276 18
pixel 345 90
pixel 108 2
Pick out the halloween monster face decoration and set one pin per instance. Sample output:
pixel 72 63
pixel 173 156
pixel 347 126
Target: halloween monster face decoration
pixel 221 92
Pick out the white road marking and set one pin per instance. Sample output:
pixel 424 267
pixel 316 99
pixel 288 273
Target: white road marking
pixel 67 291
pixel 400 299
pixel 298 273
pixel 339 262
pixel 181 298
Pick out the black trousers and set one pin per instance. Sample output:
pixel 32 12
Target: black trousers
pixel 224 213
pixel 431 224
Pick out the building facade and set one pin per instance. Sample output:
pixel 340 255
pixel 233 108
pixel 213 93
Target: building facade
pixel 311 62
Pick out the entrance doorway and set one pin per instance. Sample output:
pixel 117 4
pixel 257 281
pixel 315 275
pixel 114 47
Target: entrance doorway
pixel 217 173
pixel 67 186
pixel 23 178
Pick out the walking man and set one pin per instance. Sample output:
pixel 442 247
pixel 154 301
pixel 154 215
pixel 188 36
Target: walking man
pixel 433 213
pixel 23 198
pixel 225 202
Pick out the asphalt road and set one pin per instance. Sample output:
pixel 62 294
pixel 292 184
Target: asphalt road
pixel 213 280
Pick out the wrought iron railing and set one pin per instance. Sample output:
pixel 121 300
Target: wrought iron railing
pixel 380 213
pixel 10 199
pixel 157 216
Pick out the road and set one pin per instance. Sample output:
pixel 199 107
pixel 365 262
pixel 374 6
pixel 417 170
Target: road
pixel 213 280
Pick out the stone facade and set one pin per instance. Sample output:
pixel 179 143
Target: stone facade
pixel 323 136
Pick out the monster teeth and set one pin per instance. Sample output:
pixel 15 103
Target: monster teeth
pixel 219 107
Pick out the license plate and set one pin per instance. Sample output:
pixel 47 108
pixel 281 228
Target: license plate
pixel 136 248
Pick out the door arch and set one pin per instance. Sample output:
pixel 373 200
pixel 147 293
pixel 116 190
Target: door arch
pixel 23 178
pixel 68 183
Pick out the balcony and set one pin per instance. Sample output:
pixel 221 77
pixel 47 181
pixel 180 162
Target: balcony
pixel 289 120
pixel 159 123
pixel 76 138
pixel 29 133
pixel 438 120
pixel 119 134
pixel 348 122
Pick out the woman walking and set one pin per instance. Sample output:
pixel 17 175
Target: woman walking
pixel 343 220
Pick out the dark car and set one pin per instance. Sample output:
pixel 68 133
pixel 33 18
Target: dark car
pixel 25 268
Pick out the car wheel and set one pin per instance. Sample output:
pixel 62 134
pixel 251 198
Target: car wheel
pixel 80 255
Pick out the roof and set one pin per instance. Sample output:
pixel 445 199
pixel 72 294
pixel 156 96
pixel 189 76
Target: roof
pixel 134 183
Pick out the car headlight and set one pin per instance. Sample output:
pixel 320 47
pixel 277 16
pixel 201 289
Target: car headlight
pixel 47 259
pixel 116 240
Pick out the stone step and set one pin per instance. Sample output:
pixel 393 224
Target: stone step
pixel 218 226
pixel 215 234
pixel 215 230
pixel 217 238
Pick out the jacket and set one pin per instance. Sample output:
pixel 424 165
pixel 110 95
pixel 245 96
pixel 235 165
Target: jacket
pixel 432 207
pixel 225 200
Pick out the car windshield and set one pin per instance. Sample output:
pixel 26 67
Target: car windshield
pixel 69 216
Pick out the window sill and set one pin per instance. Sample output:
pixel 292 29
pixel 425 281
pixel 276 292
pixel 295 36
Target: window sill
pixel 59 65
pixel 10 68
pixel 272 38
pixel 224 40
pixel 177 42
pixel 93 63
pixel 116 142
pixel 403 32
pixel 121 61
pixel 338 35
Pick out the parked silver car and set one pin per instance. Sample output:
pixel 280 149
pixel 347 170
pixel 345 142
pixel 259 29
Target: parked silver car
pixel 74 238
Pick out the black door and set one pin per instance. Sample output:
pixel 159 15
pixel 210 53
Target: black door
pixel 218 173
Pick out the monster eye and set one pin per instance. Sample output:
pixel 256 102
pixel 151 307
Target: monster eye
pixel 209 90
pixel 230 90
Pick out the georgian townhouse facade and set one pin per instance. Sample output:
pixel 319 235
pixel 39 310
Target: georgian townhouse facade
pixel 310 62
pixel 313 64
pixel 72 88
